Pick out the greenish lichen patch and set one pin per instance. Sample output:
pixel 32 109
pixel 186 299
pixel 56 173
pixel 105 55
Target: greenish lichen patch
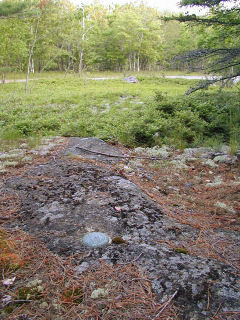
pixel 181 250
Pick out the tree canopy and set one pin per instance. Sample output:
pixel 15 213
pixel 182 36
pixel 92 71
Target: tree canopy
pixel 58 35
pixel 218 50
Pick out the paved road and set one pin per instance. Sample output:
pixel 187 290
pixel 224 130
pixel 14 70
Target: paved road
pixel 168 77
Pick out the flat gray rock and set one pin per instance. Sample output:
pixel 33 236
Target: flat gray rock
pixel 95 239
pixel 63 200
pixel 79 146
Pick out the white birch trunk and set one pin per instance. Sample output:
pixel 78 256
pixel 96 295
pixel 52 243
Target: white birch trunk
pixel 31 49
pixel 81 49
pixel 130 62
pixel 138 61
pixel 32 65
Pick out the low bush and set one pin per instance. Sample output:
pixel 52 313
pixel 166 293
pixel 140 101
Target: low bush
pixel 154 111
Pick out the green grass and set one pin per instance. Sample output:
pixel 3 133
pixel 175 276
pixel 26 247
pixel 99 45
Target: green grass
pixel 111 109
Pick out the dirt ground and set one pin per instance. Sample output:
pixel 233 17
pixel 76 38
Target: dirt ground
pixel 174 250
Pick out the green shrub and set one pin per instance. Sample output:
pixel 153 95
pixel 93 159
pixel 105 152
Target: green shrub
pixel 154 111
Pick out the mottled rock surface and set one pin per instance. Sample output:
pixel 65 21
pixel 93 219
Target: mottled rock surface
pixel 62 200
pixel 79 146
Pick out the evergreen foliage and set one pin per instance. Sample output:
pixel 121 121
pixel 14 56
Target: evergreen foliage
pixel 219 45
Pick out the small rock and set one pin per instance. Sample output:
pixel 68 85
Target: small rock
pixel 6 299
pixel 81 268
pixel 23 146
pixel 131 79
pixel 95 239
pixel 188 185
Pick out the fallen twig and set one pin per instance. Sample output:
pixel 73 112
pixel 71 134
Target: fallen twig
pixel 121 263
pixel 139 279
pixel 16 301
pixel 216 312
pixel 166 305
pixel 118 156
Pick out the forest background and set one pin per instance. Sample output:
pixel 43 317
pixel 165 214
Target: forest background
pixel 63 46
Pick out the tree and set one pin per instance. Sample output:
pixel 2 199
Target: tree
pixel 131 39
pixel 177 39
pixel 219 45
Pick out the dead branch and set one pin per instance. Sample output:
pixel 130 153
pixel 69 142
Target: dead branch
pixel 166 305
pixel 118 156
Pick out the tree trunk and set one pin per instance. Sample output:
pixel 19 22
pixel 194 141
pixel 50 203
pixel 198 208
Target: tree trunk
pixel 80 65
pixel 130 62
pixel 32 65
pixel 4 77
pixel 81 49
pixel 39 65
pixel 31 49
pixel 138 61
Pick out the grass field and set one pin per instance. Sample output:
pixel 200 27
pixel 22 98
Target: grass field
pixel 153 111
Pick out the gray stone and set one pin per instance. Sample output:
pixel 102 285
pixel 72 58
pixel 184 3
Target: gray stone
pixel 81 268
pixel 95 239
pixel 131 79
pixel 188 184
pixel 24 146
pixel 86 195
pixel 93 144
